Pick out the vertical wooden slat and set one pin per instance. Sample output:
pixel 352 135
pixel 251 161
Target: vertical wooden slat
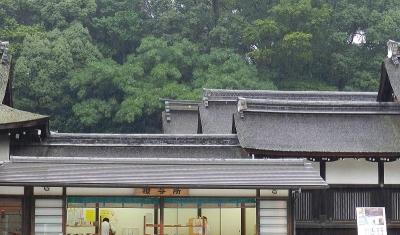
pixel 341 208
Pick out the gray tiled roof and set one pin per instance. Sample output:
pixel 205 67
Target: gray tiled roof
pixel 319 134
pixel 10 117
pixel 134 146
pixel 193 173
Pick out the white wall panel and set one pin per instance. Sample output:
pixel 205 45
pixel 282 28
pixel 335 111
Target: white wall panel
pixel 270 193
pixel 11 190
pixel 55 203
pixel 315 165
pixel 392 172
pixel 100 191
pixel 53 191
pixel 273 217
pixel 48 216
pixel 351 171
pixel 223 192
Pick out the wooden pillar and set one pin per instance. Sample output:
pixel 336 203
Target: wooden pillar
pixel 258 212
pixel 64 209
pixel 322 170
pixel 156 219
pixel 323 205
pixel 381 173
pixel 381 182
pixel 323 211
pixel 28 211
pixel 243 220
pixel 291 217
pixel 97 214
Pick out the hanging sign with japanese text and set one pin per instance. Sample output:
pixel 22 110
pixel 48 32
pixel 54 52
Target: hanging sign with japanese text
pixel 371 221
pixel 175 192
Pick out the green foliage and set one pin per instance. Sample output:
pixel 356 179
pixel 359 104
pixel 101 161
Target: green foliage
pixel 117 28
pixel 91 112
pixel 297 46
pixel 15 32
pixel 41 72
pixel 224 69
pixel 61 13
pixel 165 63
pixel 300 15
pixel 384 25
pixel 82 49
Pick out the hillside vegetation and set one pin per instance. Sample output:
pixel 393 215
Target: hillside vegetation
pixel 102 65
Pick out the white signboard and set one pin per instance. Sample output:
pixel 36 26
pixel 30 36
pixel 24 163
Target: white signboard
pixel 371 221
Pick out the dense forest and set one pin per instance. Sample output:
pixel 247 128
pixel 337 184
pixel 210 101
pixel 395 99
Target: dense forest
pixel 102 65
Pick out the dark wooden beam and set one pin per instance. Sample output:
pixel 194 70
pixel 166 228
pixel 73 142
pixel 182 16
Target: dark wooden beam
pixel 28 206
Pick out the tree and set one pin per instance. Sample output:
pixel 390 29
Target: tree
pixel 40 75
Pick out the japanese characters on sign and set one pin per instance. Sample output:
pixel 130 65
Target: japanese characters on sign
pixel 176 192
pixel 371 221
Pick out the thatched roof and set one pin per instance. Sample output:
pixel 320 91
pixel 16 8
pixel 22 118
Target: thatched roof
pixel 11 118
pixel 218 105
pixel 319 128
